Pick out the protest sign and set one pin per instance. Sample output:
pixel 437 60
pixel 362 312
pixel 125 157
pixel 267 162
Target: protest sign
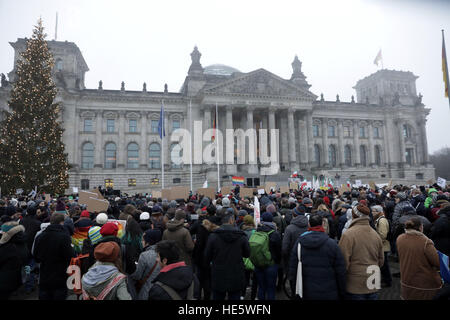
pixel 75 189
pixel 99 195
pixel 441 182
pixel 246 192
pixel 261 191
pixel 97 205
pixel 207 192
pixel 165 194
pixel 179 192
pixel 293 185
pixel 156 194
pixel 256 211
pixel 284 189
pixel 358 183
pixel 270 186
pixel 225 190
pixel 83 196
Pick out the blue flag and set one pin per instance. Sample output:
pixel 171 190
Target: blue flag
pixel 161 129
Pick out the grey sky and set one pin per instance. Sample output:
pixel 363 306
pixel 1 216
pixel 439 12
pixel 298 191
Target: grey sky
pixel 337 41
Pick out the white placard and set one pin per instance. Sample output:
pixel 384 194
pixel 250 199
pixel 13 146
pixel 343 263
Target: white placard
pixel 261 191
pixel 75 189
pixel 441 182
pixel 358 183
pixel 256 212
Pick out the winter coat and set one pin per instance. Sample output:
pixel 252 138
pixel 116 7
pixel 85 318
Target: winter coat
pixel 177 276
pixel 429 199
pixel 32 226
pixel 298 225
pixel 146 262
pixel 323 266
pixel 279 222
pixel 203 232
pixel 440 231
pixel 382 225
pixel 99 276
pixel 53 250
pixel 362 247
pixel 287 213
pixel 398 211
pixel 225 249
pixel 419 266
pixel 145 225
pixel 274 240
pixel 418 202
pixel 13 256
pixel 425 222
pixel 177 232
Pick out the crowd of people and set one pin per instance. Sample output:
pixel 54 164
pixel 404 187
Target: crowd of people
pixel 313 244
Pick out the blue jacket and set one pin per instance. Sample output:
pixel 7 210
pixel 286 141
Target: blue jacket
pixel 323 265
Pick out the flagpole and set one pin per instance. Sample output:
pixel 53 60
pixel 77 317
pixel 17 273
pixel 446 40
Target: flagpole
pixel 444 60
pixel 190 140
pixel 162 144
pixel 217 151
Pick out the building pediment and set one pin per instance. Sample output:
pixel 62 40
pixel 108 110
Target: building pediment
pixel 260 83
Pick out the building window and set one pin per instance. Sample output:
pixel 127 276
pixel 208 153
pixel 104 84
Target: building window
pixel 331 131
pixel 419 176
pixel 154 156
pixel 348 156
pixel 409 156
pixel 110 156
pixel 376 132
pixel 176 154
pixel 176 180
pixel 87 156
pixel 109 183
pixel 362 132
pixel 133 125
pixel 133 156
pixel 363 155
pixel 347 131
pixel 110 125
pixel 378 155
pixel 332 155
pixel 315 130
pixel 176 124
pixel 59 64
pixel 88 125
pixel 84 184
pixel 406 131
pixel 317 155
pixel 154 126
pixel 132 182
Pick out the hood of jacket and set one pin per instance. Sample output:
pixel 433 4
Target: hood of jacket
pixel 229 233
pixel 209 225
pixel 431 190
pixel 313 239
pixel 98 273
pixel 300 221
pixel 174 225
pixel 266 226
pixel 15 234
pixel 179 278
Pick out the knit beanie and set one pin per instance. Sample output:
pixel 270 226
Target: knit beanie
pixel 267 217
pixel 144 216
pixel 180 215
pixel 248 219
pixel 225 202
pixel 101 218
pixel 152 236
pixel 271 208
pixel 109 229
pixel 107 251
pixel 361 210
pixel 85 214
pixel 60 207
pixel 94 235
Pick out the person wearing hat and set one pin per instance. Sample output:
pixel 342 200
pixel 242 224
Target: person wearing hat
pixel 362 247
pixel 177 232
pixel 382 228
pixel 101 219
pixel 53 250
pixel 13 256
pixel 147 268
pixel 323 265
pixel 104 280
pixel 298 225
pixel 144 221
pixel 157 218
pixel 402 202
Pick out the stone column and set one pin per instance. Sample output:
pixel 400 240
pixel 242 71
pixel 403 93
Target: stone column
pixel 423 134
pixel 310 141
pixel 402 157
pixel 76 156
pixel 252 168
pixel 325 162
pixel 356 155
pixel 271 127
pixel 98 163
pixel 230 168
pixel 371 145
pixel 303 142
pixel 143 148
pixel 121 147
pixel 291 135
pixel 340 151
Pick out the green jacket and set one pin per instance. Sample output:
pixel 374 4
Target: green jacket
pixel 429 199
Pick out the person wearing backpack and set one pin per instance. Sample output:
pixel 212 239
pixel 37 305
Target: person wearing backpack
pixel 265 254
pixel 249 228
pixel 105 280
pixel 382 226
pixel 176 280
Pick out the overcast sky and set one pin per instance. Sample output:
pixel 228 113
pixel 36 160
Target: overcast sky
pixel 337 41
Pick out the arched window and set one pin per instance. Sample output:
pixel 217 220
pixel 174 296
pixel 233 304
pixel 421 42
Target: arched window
pixel 317 155
pixel 348 155
pixel 110 155
pixel 133 156
pixel 154 156
pixel 378 155
pixel 363 155
pixel 59 64
pixel 175 157
pixel 87 161
pixel 332 155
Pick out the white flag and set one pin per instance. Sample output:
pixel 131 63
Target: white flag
pixel 256 212
pixel 378 58
pixel 205 184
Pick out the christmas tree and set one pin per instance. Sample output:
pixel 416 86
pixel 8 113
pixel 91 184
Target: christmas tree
pixel 31 147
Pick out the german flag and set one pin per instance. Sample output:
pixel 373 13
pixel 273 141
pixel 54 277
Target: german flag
pixel 444 65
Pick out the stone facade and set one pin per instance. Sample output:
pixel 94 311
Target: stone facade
pixel 111 136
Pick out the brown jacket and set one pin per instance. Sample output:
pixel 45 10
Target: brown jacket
pixel 177 232
pixel 419 266
pixel 362 247
pixel 382 225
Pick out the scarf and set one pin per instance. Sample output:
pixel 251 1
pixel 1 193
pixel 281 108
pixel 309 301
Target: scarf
pixel 316 228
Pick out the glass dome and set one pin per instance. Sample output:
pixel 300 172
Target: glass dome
pixel 220 70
